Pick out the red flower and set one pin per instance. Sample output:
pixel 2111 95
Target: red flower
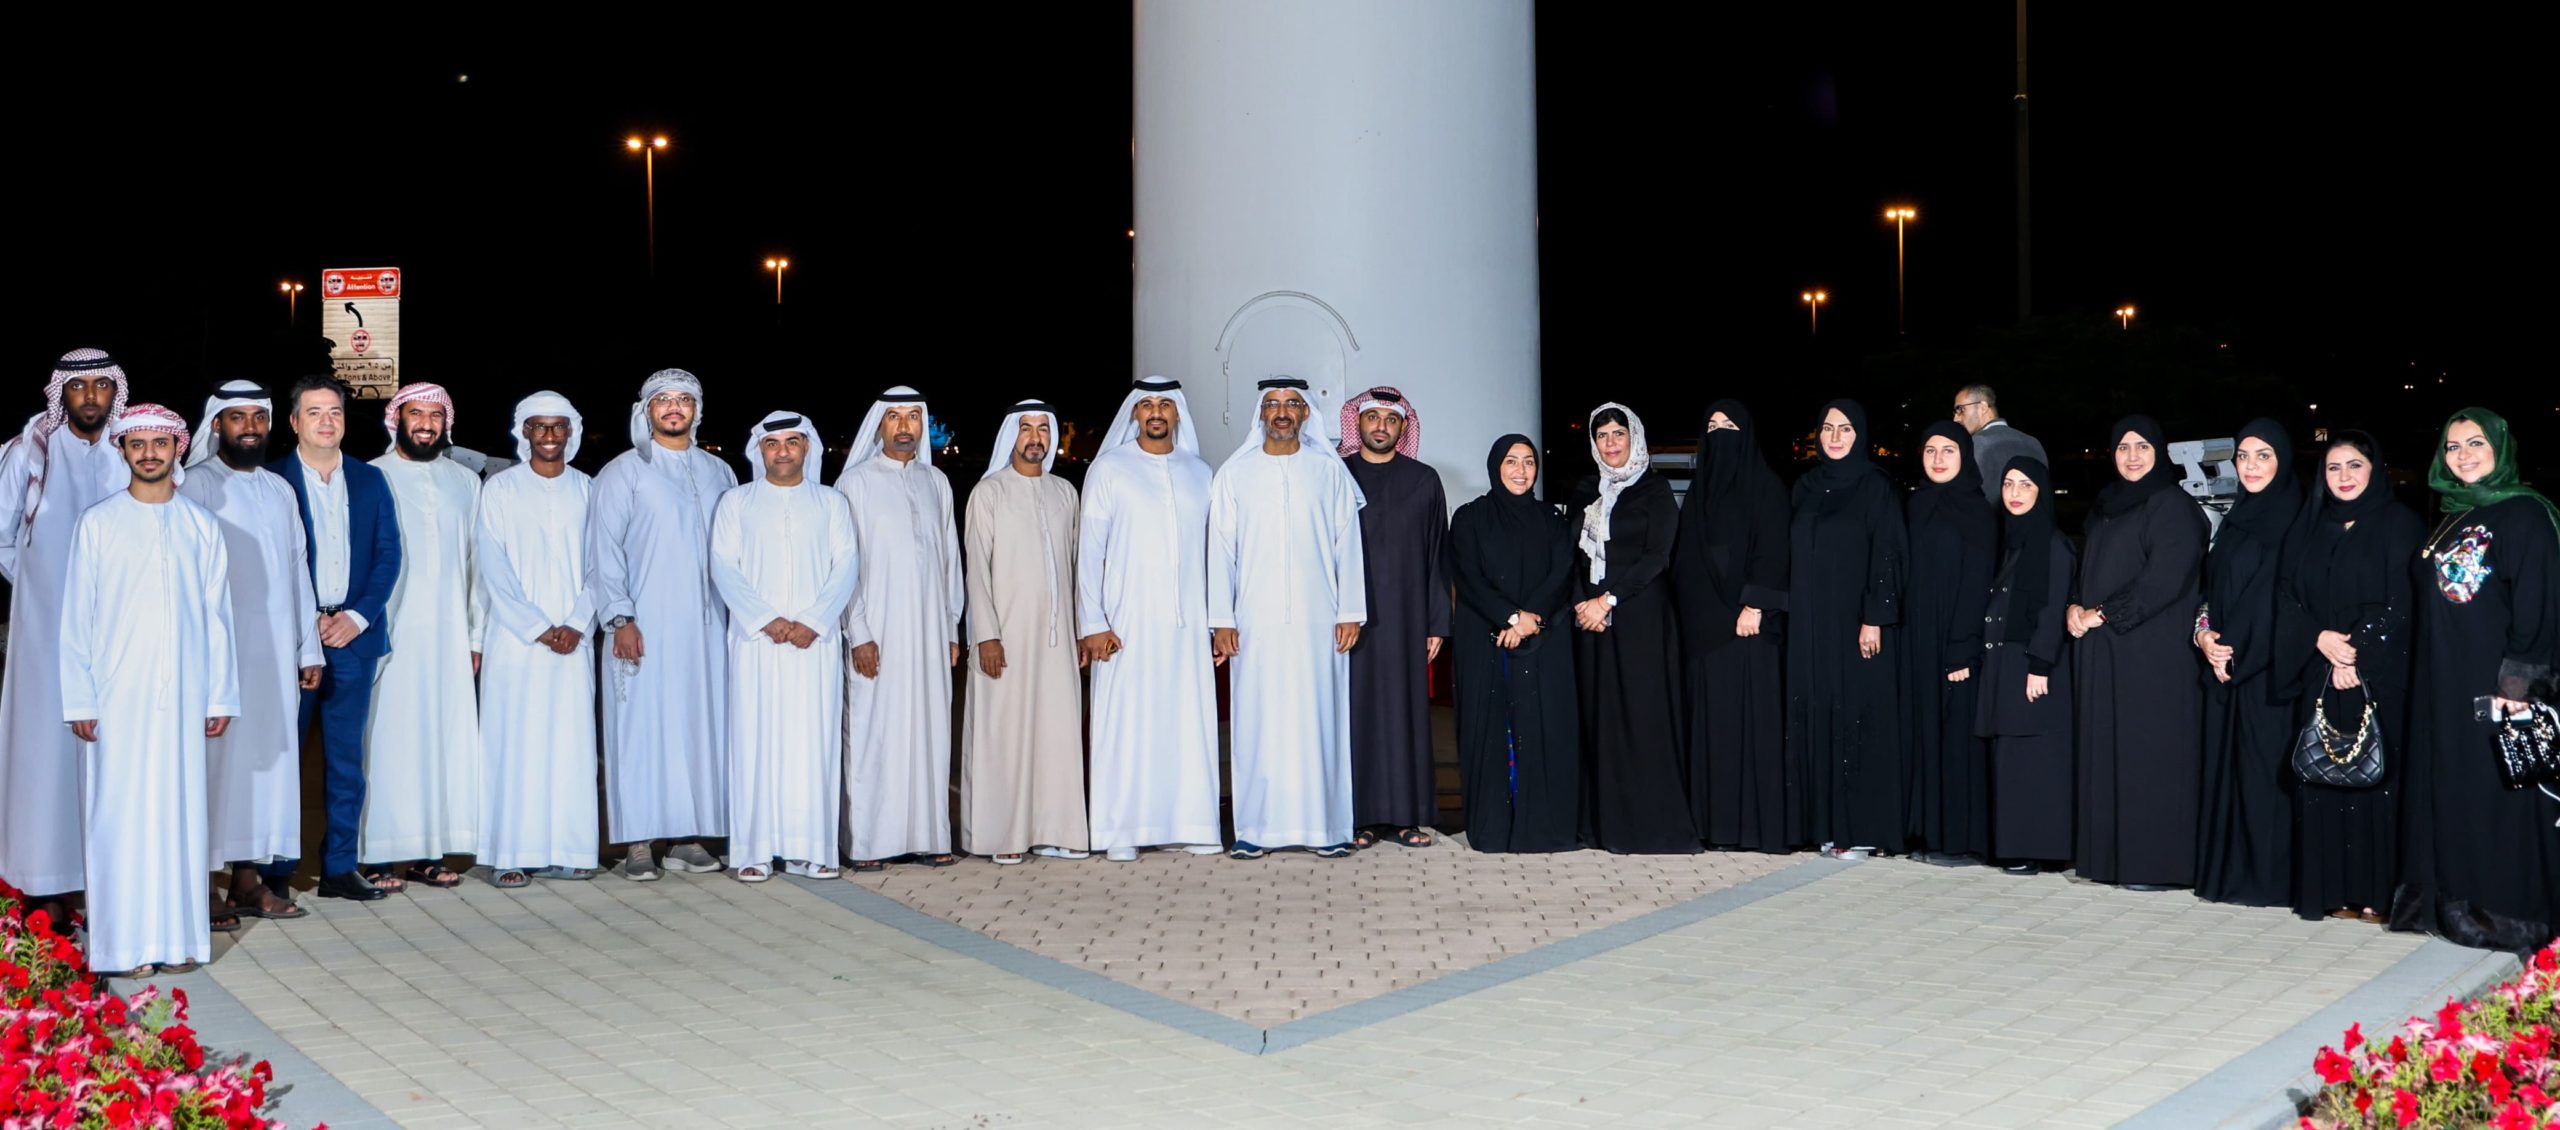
pixel 2449 1021
pixel 2547 961
pixel 2499 1089
pixel 2333 1068
pixel 2444 1068
pixel 2364 1102
pixel 2355 1036
pixel 2513 1116
pixel 2533 1096
pixel 2484 1067
pixel 2404 1106
pixel 2399 1050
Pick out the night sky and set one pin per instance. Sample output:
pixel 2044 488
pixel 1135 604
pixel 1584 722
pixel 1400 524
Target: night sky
pixel 2298 211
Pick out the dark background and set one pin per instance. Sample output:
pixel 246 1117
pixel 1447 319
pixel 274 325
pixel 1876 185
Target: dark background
pixel 2303 211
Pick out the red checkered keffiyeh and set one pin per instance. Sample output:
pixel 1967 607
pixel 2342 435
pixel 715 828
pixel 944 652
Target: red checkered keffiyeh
pixel 431 393
pixel 39 434
pixel 1408 445
pixel 144 419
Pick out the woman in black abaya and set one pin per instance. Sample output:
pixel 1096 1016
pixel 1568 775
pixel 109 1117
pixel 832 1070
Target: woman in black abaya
pixel 1519 750
pixel 2140 711
pixel 2342 625
pixel 2482 860
pixel 1730 574
pixel 1955 544
pixel 1844 599
pixel 2244 834
pixel 1627 647
pixel 2025 682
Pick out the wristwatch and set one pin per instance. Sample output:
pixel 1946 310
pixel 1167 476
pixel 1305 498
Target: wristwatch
pixel 617 623
pixel 1513 622
pixel 1611 597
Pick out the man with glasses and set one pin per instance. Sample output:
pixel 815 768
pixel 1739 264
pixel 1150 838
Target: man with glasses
pixel 1994 441
pixel 666 752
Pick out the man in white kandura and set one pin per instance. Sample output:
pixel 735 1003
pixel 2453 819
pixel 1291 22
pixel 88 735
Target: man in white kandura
pixel 538 678
pixel 60 466
pixel 1022 752
pixel 422 760
pixel 1287 596
pixel 666 728
pixel 1143 595
pixel 782 552
pixel 905 616
pixel 146 677
pixel 253 772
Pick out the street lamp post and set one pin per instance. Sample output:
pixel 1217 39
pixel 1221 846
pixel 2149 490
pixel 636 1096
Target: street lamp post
pixel 292 293
pixel 2124 316
pixel 648 151
pixel 1900 214
pixel 777 266
pixel 1813 300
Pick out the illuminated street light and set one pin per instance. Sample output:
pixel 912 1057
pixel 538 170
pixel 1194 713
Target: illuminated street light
pixel 1900 214
pixel 2124 315
pixel 292 293
pixel 1813 300
pixel 648 151
pixel 777 266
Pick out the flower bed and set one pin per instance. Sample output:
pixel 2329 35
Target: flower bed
pixel 73 1055
pixel 2491 1062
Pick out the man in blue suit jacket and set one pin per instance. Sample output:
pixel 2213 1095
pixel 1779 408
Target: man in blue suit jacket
pixel 354 541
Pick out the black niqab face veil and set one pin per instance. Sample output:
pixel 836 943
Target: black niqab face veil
pixel 1727 452
pixel 2029 536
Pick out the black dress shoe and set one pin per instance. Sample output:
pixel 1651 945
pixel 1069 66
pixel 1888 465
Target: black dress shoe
pixel 2148 888
pixel 349 885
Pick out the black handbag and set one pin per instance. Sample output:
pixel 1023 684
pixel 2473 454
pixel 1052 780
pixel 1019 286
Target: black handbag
pixel 2325 755
pixel 2529 746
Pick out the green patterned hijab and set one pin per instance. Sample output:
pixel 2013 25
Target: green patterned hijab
pixel 2504 481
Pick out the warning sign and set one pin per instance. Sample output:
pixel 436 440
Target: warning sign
pixel 360 315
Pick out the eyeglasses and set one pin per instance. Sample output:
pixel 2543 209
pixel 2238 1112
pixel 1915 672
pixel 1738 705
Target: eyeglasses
pixel 536 428
pixel 1961 405
pixel 665 398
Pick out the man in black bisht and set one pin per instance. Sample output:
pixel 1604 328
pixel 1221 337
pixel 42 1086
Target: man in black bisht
pixel 1402 526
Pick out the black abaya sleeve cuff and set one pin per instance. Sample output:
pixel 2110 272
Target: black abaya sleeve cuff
pixel 2037 666
pixel 2519 680
pixel 1764 599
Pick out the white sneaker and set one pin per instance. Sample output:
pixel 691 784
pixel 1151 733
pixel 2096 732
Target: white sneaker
pixel 1060 853
pixel 1121 855
pixel 1205 849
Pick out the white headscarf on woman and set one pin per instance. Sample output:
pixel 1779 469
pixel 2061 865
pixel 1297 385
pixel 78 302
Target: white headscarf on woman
pixel 236 394
pixel 1000 457
pixel 548 403
pixel 664 380
pixel 1613 482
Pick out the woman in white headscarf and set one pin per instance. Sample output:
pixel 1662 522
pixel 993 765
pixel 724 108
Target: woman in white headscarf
pixel 1627 646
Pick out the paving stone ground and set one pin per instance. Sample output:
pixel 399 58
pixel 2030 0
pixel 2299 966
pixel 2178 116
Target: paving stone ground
pixel 1282 938
pixel 1885 994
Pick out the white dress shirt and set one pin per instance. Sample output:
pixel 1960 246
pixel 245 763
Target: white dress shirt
pixel 330 552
